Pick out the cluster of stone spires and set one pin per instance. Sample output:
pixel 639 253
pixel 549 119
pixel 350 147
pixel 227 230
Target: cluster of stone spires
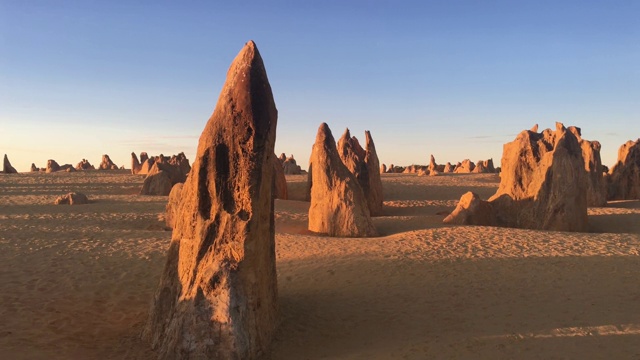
pixel 344 185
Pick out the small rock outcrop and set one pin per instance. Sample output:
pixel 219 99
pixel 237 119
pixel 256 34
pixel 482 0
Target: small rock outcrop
pixel 448 168
pixel 6 166
pixel 107 164
pixel 176 168
pixel 338 205
pixel 484 167
pixel 157 182
pixel 383 169
pixel 291 167
pixel 135 163
pixel 279 180
pixel 52 166
pixel 471 210
pixel 72 198
pixel 543 185
pixel 624 176
pixel 84 165
pixel 465 167
pixel 217 297
pixel 433 166
pixel 34 168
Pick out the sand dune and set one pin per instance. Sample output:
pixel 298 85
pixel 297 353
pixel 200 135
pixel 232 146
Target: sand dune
pixel 76 281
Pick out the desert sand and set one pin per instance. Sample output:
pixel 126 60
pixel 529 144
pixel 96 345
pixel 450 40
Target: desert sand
pixel 76 282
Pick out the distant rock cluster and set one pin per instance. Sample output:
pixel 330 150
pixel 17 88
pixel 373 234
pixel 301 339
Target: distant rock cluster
pixel 433 169
pixel 83 165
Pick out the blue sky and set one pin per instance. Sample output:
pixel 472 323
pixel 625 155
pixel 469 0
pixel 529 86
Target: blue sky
pixel 456 79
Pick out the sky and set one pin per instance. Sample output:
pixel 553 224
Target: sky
pixel 456 79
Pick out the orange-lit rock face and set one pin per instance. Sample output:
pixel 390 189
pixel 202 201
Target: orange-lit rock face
pixel 338 206
pixel 217 296
pixel 543 185
pixel 624 176
pixel 363 164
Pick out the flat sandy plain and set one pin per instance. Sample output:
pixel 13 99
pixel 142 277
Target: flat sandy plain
pixel 76 281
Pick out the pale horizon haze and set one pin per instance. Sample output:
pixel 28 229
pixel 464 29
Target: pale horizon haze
pixel 456 79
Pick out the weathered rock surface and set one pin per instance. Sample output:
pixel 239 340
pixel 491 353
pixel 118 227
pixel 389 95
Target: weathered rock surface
pixel 176 168
pixel 135 163
pixel 363 164
pixel 34 168
pixel 624 176
pixel 279 180
pixel 107 164
pixel 173 205
pixel 84 165
pixel 291 167
pixel 6 166
pixel 543 184
pixel 465 167
pixel 52 166
pixel 338 205
pixel 433 166
pixel 383 169
pixel 72 198
pixel 471 210
pixel 217 297
pixel 448 168
pixel 373 190
pixel 596 184
pixel 484 167
pixel 157 182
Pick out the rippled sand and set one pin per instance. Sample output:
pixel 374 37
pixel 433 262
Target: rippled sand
pixel 76 281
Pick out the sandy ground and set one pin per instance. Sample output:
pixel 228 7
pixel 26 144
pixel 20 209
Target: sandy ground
pixel 76 281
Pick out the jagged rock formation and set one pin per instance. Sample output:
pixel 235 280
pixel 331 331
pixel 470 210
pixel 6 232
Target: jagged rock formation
pixel 338 206
pixel 363 164
pixel 596 185
pixel 465 167
pixel 135 163
pixel 107 164
pixel 157 182
pixel 624 176
pixel 383 169
pixel 52 166
pixel 484 167
pixel 291 167
pixel 448 168
pixel 373 190
pixel 34 168
pixel 6 166
pixel 175 168
pixel 279 180
pixel 72 198
pixel 434 168
pixel 217 297
pixel 543 185
pixel 84 165
pixel 471 210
